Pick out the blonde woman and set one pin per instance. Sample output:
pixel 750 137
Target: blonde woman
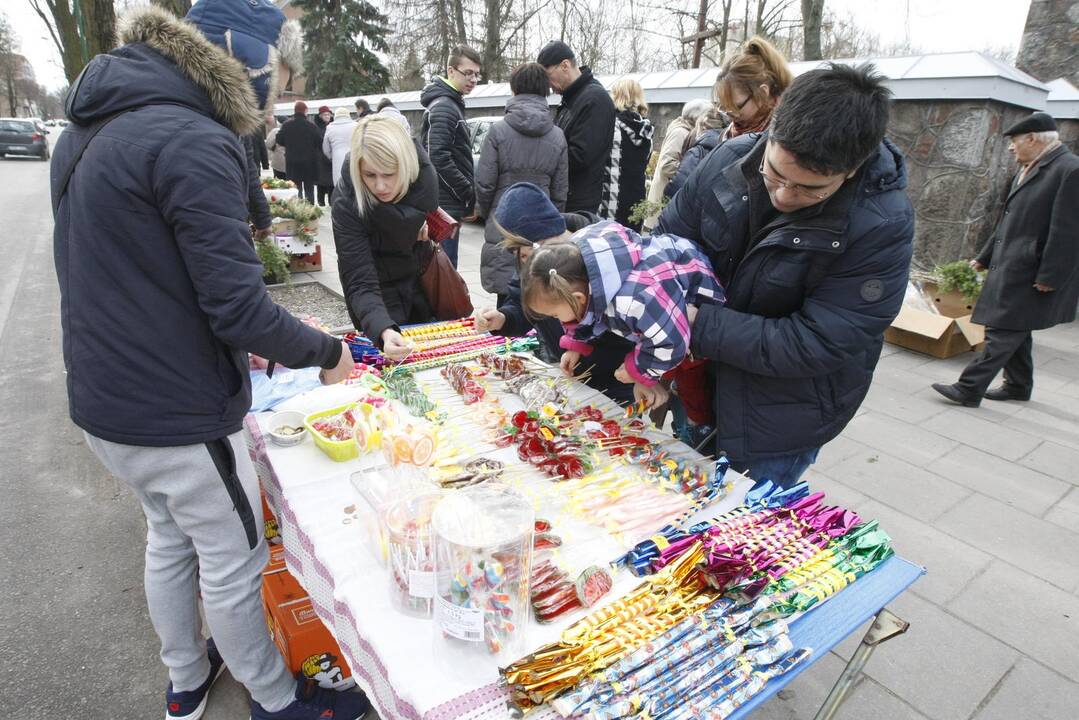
pixel 387 187
pixel 623 181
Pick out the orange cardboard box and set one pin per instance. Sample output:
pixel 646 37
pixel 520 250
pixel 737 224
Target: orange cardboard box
pixel 277 560
pixel 270 529
pixel 305 643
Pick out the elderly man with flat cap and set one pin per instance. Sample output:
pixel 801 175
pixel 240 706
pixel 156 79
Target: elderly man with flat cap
pixel 1033 263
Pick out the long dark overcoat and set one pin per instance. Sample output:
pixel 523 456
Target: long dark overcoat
pixel 1036 241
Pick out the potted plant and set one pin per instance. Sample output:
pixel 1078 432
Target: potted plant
pixel 957 286
pixel 275 262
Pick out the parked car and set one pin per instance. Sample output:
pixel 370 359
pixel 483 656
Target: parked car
pixel 477 128
pixel 20 136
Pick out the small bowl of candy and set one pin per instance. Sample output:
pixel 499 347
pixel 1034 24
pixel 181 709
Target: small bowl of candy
pixel 287 428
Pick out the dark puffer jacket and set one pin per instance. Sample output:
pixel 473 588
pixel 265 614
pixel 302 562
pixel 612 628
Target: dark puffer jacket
pixel 445 135
pixel 523 147
pixel 378 258
pixel 586 116
pixel 161 293
pixel 608 351
pixel 807 305
pixel 703 145
pixel 623 179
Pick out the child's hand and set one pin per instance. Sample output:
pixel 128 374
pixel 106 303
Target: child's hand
pixel 489 318
pixel 570 358
pixel 622 375
pixel 652 396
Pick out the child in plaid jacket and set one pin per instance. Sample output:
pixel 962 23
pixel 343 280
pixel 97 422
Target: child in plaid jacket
pixel 607 277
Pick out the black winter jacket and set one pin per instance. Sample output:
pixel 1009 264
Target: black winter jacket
pixel 161 293
pixel 608 352
pixel 445 135
pixel 378 258
pixel 807 306
pixel 325 167
pixel 586 116
pixel 623 180
pixel 303 148
pixel 1036 241
pixel 705 144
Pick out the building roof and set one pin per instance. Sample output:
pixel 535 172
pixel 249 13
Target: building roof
pixel 1063 100
pixel 938 76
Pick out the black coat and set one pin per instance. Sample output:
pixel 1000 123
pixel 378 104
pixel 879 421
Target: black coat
pixel 623 180
pixel 608 352
pixel 446 137
pixel 1036 240
pixel 586 116
pixel 700 148
pixel 378 258
pixel 161 293
pixel 807 306
pixel 257 205
pixel 325 166
pixel 303 148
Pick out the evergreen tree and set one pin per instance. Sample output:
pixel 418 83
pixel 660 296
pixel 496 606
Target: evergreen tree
pixel 339 36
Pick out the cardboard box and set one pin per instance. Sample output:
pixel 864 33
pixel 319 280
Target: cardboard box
pixel 277 560
pixel 306 645
pixel 942 335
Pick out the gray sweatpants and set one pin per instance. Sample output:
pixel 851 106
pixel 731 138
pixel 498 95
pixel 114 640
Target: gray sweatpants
pixel 204 521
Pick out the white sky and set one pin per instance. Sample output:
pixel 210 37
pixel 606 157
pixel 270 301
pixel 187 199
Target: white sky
pixel 935 26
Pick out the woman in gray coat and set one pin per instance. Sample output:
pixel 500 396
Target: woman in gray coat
pixel 525 146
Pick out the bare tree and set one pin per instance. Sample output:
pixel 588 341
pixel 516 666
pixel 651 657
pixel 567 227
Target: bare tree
pixel 79 29
pixel 812 14
pixel 179 8
pixel 9 62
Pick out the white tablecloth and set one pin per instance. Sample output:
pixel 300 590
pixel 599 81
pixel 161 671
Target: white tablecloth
pixel 396 658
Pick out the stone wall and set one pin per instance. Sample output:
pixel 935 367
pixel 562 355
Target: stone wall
pixel 1050 45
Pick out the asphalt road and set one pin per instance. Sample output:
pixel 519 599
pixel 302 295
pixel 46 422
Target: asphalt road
pixel 75 637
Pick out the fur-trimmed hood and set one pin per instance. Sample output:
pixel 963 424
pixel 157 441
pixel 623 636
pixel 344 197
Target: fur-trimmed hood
pixel 198 74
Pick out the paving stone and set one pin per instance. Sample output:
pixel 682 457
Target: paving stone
pixel 1038 619
pixel 1009 482
pixel 870 699
pixel 805 693
pixel 942 667
pixel 903 360
pixel 903 486
pixel 1000 440
pixel 1066 512
pixel 837 451
pixel 916 408
pixel 836 493
pixel 1060 461
pixel 950 563
pixel 907 381
pixel 1051 423
pixel 898 438
pixel 1065 367
pixel 1032 691
pixel 1041 548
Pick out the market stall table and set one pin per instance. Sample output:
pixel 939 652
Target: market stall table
pixel 395 656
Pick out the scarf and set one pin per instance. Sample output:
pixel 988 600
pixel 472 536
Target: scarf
pixel 734 129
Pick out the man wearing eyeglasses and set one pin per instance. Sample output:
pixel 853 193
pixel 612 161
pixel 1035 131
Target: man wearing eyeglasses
pixel 446 137
pixel 810 231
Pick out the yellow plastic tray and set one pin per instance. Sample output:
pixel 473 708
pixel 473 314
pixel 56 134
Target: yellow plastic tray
pixel 339 450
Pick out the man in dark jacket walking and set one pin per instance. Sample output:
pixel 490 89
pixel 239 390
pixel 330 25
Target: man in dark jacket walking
pixel 446 137
pixel 303 151
pixel 586 116
pixel 810 232
pixel 161 299
pixel 1033 263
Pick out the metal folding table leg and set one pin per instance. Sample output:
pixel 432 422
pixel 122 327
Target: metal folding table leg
pixel 885 627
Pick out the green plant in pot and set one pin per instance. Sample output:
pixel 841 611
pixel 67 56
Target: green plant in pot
pixel 275 262
pixel 958 277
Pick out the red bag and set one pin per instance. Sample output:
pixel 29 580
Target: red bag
pixel 446 290
pixel 441 226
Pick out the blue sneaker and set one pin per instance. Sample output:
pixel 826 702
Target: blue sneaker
pixel 191 704
pixel 315 703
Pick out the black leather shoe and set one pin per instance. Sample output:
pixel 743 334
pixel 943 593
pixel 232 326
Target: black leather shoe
pixel 956 395
pixel 1003 392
